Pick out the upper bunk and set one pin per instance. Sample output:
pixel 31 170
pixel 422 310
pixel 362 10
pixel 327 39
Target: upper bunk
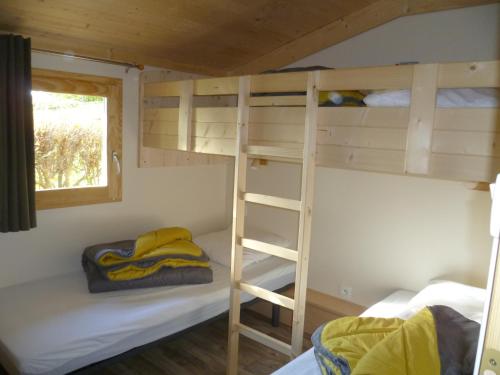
pixel 427 136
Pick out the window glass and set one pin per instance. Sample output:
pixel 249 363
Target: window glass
pixel 70 140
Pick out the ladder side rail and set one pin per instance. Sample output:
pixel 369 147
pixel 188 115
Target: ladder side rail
pixel 305 220
pixel 240 174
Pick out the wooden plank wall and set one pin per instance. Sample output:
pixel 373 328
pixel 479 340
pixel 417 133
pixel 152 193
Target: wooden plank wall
pixel 447 143
pixel 158 123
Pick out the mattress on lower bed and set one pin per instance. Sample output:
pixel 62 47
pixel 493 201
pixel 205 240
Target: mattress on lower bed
pixel 393 306
pixel 55 326
pixel 465 299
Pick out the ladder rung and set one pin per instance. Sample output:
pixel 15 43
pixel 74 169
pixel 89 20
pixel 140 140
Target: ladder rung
pixel 269 200
pixel 264 339
pixel 272 151
pixel 267 295
pixel 264 247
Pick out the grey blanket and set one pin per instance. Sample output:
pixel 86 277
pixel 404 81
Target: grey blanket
pixel 92 253
pixel 97 283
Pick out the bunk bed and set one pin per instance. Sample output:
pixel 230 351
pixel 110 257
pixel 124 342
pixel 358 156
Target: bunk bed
pixel 455 142
pixel 430 120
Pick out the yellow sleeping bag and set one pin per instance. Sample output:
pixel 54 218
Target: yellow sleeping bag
pixel 436 338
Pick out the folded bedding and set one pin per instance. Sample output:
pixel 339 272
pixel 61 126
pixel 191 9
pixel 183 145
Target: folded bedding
pixel 165 256
pixel 151 244
pixel 97 283
pixel 437 340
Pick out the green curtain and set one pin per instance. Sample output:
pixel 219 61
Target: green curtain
pixel 17 149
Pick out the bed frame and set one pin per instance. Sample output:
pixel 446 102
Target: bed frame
pixel 95 367
pixel 199 115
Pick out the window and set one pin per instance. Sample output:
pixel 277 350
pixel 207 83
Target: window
pixel 77 139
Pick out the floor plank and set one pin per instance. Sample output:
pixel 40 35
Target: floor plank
pixel 204 351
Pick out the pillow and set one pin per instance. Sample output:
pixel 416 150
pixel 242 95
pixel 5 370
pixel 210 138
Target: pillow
pixel 390 98
pixel 467 300
pixel 217 245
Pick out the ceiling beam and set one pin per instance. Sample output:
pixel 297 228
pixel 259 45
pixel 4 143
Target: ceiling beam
pixel 82 48
pixel 356 23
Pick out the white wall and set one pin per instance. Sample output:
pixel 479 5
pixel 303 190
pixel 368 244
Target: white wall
pixel 378 232
pixel 466 34
pixel 194 197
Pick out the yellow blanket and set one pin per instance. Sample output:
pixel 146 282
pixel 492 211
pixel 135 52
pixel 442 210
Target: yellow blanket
pixel 166 241
pixel 167 247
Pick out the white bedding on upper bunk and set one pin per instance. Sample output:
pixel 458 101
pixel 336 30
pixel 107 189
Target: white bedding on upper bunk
pixel 446 98
pixel 55 326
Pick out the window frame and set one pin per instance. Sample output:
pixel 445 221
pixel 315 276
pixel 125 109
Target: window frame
pixel 83 84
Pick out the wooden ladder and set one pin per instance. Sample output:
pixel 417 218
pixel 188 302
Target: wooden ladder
pixel 303 206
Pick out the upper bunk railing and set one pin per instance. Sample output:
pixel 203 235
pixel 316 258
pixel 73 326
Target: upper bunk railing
pixel 421 139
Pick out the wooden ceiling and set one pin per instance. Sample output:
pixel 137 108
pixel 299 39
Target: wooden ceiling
pixel 215 37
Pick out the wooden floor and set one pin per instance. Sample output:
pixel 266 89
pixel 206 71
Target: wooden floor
pixel 204 350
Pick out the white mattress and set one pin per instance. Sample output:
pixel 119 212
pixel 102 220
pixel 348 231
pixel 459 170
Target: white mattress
pixel 393 306
pixel 55 326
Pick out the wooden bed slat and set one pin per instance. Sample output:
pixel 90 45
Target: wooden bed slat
pixel 161 114
pixel 363 116
pixel 279 82
pixel 276 133
pixel 474 74
pixel 217 146
pixel 267 295
pixel 388 139
pixel 171 88
pixel 468 119
pixel 214 130
pixel 365 159
pixel 377 78
pixel 466 143
pixel 160 127
pixel 463 167
pixel 160 141
pixel 270 249
pixel 278 115
pixel 269 200
pixel 265 339
pixel 216 86
pixel 217 115
pixel 283 101
pixel 281 152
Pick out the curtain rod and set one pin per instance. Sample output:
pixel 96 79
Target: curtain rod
pixel 127 65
